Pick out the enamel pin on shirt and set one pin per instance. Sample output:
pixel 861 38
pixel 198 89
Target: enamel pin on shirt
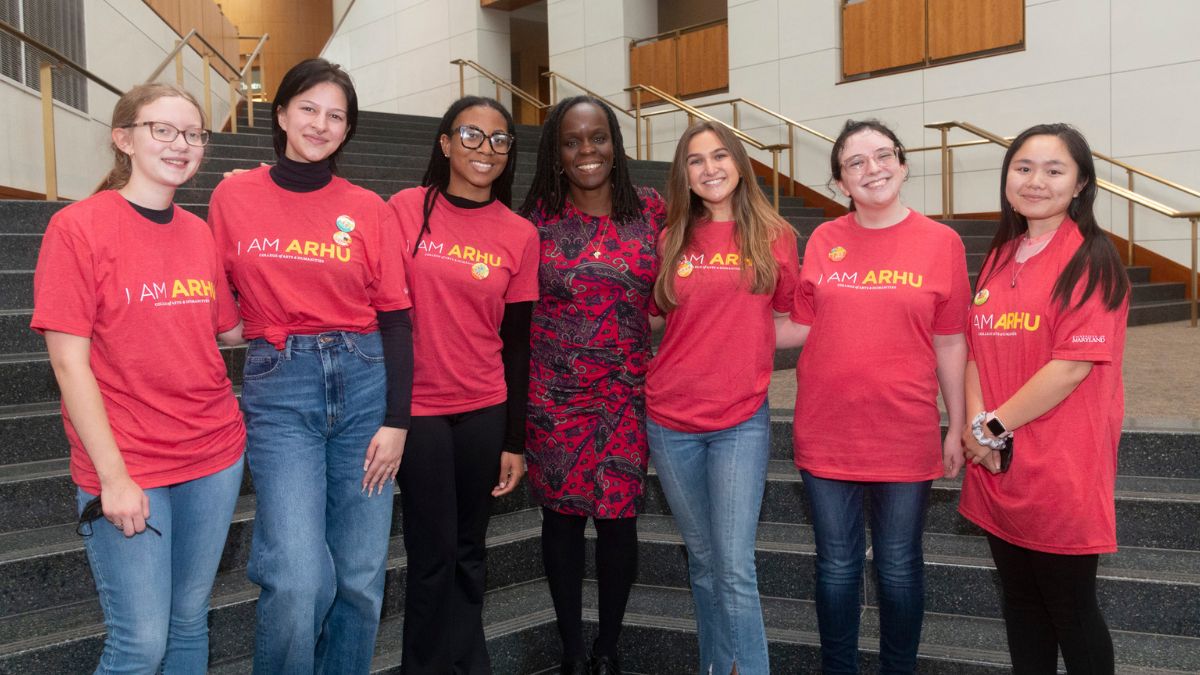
pixel 341 238
pixel 837 254
pixel 480 271
pixel 981 297
pixel 685 268
pixel 345 224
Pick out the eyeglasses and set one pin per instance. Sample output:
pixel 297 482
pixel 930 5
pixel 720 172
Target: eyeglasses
pixel 92 511
pixel 472 138
pixel 857 165
pixel 167 133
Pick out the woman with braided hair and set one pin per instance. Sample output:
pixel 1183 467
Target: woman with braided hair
pixel 590 341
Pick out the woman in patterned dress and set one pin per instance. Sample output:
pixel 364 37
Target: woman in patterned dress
pixel 590 339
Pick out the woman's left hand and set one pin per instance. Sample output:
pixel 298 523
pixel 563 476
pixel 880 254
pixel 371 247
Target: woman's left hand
pixel 512 467
pixel 953 456
pixel 383 458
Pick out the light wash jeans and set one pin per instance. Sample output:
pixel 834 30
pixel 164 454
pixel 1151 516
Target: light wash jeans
pixel 154 590
pixel 897 520
pixel 320 544
pixel 714 484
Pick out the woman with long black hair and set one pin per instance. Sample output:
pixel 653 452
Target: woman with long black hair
pixel 472 267
pixel 590 347
pixel 1047 336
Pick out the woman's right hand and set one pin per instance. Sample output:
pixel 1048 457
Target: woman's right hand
pixel 125 505
pixel 980 454
pixel 234 172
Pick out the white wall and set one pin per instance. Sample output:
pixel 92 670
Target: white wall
pixel 117 33
pixel 1126 72
pixel 399 52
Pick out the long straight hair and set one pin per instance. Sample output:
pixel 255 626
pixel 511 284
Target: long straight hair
pixel 1096 259
pixel 437 173
pixel 125 113
pixel 550 185
pixel 758 224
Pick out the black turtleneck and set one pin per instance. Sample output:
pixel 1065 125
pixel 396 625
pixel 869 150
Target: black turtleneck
pixel 296 176
pixel 464 203
pixel 160 216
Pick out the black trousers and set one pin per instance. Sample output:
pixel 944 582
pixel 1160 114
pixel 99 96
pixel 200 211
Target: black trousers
pixel 450 465
pixel 1050 604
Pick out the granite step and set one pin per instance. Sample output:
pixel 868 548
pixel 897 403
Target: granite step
pixel 659 637
pixel 68 637
pixel 28 377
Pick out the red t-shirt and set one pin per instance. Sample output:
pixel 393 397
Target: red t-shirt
pixel 470 263
pixel 151 298
pixel 866 405
pixel 307 262
pixel 1057 495
pixel 713 367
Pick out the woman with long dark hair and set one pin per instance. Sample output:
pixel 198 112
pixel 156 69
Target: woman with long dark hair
pixel 472 268
pixel 884 292
pixel 730 261
pixel 586 445
pixel 316 263
pixel 129 293
pixel 1047 336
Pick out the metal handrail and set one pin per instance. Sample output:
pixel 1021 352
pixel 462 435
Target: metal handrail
pixel 179 47
pixel 555 77
pixel 693 113
pixel 262 40
pixel 497 80
pixel 1125 193
pixel 57 56
pixel 679 31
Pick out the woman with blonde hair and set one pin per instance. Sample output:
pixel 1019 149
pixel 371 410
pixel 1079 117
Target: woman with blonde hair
pixel 129 294
pixel 728 260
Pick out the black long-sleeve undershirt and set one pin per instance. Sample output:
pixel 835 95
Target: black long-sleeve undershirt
pixel 514 333
pixel 395 330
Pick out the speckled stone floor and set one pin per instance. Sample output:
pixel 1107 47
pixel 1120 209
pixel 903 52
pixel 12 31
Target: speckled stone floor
pixel 1162 378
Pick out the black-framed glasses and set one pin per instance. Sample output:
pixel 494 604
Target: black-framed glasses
pixel 93 512
pixel 472 138
pixel 857 165
pixel 167 133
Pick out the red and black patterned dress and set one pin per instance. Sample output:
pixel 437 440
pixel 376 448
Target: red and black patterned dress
pixel 589 348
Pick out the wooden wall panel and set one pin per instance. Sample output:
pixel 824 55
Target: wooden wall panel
pixel 168 10
pixel 704 60
pixel 298 30
pixel 654 64
pixel 959 27
pixel 882 34
pixel 191 15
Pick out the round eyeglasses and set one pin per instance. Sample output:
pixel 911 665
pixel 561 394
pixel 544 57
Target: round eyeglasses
pixel 167 133
pixel 857 165
pixel 472 138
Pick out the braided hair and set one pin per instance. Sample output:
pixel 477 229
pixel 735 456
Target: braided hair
pixel 550 185
pixel 437 173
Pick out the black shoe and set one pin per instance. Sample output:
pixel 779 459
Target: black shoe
pixel 605 665
pixel 579 667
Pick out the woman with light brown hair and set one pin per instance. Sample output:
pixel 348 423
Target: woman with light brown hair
pixel 728 260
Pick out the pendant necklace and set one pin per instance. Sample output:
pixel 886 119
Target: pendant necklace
pixel 596 245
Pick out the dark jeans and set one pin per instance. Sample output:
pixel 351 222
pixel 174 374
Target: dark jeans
pixel 451 463
pixel 1050 603
pixel 897 520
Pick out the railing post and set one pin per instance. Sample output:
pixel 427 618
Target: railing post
pixel 498 92
pixel 462 82
pixel 637 121
pixel 46 83
pixel 208 87
pixel 945 176
pixel 1194 220
pixel 1129 262
pixel 649 139
pixel 950 182
pixel 736 124
pixel 178 65
pixel 553 89
pixel 791 160
pixel 250 108
pixel 233 104
pixel 775 176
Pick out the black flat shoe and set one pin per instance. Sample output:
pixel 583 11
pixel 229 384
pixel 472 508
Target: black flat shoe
pixel 579 667
pixel 605 665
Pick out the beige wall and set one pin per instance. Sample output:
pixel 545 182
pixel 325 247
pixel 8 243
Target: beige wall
pixel 673 14
pixel 298 30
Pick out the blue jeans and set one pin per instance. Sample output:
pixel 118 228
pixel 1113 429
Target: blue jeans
pixel 897 520
pixel 714 484
pixel 320 544
pixel 155 590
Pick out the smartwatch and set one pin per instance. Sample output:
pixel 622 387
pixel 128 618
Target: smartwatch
pixel 995 426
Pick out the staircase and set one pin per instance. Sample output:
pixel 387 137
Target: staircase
pixel 50 620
